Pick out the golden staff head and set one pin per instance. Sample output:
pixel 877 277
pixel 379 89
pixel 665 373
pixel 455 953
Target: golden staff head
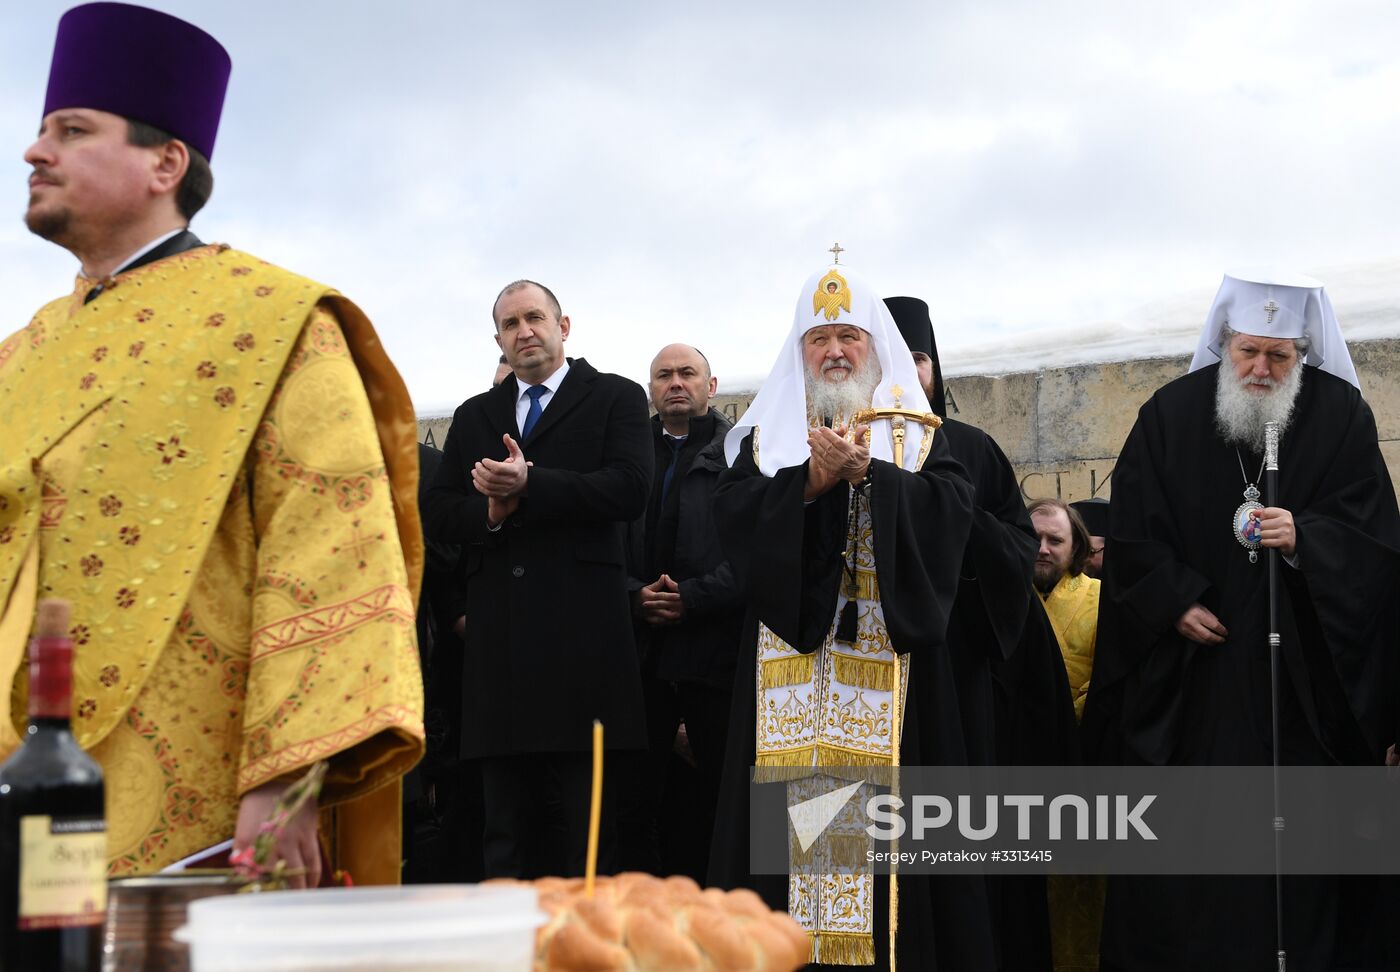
pixel 898 416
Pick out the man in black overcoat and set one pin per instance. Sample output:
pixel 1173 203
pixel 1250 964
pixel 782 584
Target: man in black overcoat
pixel 539 478
pixel 689 610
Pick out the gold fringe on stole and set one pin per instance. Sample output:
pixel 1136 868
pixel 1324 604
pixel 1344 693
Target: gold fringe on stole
pixel 800 757
pixel 848 850
pixel 844 948
pixel 867 673
pixel 788 670
pixel 831 756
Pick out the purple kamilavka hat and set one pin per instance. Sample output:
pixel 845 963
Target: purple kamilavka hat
pixel 143 65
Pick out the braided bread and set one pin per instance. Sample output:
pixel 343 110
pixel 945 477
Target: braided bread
pixel 640 923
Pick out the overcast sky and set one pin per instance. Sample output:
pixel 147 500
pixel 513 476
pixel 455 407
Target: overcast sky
pixel 675 171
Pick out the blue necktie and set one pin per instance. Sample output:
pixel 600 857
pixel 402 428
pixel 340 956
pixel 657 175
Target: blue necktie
pixel 533 415
pixel 676 446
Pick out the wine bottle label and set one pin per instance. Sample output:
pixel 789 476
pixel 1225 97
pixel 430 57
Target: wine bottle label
pixel 62 871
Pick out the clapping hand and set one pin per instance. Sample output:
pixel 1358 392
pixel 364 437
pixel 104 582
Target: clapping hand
pixel 834 458
pixel 502 483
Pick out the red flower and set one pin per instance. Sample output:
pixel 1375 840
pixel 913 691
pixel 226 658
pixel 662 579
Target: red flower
pixel 87 708
pixel 129 535
pixel 99 353
pixel 145 314
pixel 87 381
pixel 214 320
pixel 79 633
pixel 126 597
pixel 224 396
pixel 263 291
pixel 241 271
pixel 206 369
pixel 6 534
pixel 353 492
pixel 244 342
pixel 110 675
pixel 109 505
pixel 136 349
pixel 91 565
pixel 170 450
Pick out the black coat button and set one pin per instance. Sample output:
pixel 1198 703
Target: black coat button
pixel 518 571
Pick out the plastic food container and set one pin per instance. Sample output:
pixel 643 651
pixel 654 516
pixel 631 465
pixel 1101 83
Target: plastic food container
pixel 422 928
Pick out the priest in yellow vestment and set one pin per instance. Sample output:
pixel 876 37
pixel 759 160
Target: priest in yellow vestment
pixel 1071 599
pixel 1071 596
pixel 214 460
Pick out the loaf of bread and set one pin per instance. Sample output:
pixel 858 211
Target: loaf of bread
pixel 640 923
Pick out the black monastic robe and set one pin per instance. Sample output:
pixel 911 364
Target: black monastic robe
pixel 1159 698
pixel 1013 695
pixel 789 556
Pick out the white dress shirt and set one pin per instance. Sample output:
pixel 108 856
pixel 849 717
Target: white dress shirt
pixel 522 401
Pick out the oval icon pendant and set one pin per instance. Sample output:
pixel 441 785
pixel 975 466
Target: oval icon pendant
pixel 1247 529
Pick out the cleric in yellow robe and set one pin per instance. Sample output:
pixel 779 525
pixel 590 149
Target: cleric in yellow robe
pixel 1071 599
pixel 214 460
pixel 1073 607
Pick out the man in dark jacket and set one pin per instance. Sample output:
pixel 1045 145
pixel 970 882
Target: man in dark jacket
pixel 540 477
pixel 688 611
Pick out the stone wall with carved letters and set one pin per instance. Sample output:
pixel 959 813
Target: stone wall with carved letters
pixel 1062 427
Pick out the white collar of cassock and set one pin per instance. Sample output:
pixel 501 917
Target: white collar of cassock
pixel 779 410
pixel 1273 304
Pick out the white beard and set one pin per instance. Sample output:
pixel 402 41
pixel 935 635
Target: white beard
pixel 838 400
pixel 1240 415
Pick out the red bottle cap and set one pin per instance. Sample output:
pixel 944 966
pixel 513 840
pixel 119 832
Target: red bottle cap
pixel 51 663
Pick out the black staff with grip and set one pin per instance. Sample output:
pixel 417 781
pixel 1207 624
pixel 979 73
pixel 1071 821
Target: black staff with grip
pixel 1270 500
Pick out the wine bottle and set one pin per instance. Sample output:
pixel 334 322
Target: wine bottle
pixel 53 835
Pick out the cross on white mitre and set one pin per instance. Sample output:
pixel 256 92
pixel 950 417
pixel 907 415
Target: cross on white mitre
pixel 1272 309
pixel 836 250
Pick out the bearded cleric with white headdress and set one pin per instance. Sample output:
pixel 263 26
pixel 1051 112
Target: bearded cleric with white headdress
pixel 1181 674
pixel 850 561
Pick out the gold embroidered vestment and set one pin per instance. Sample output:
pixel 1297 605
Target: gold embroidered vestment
pixel 215 462
pixel 838 707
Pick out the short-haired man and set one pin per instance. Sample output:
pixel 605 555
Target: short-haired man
pixel 502 371
pixel 687 603
pixel 1183 668
pixel 850 556
pixel 191 457
pixel 540 476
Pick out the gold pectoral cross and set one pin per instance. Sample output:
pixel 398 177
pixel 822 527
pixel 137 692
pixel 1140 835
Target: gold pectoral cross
pixel 898 416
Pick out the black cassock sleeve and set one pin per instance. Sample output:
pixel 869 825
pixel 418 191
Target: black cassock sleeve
pixel 787 553
pixel 1000 556
pixel 1349 555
